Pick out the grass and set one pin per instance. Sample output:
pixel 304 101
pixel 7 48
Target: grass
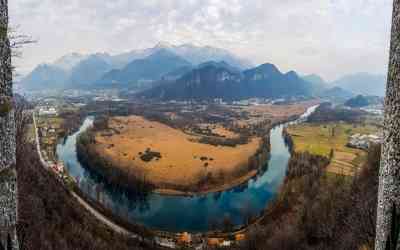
pixel 183 158
pixel 321 139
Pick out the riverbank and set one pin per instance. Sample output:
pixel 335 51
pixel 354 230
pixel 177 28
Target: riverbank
pixel 182 213
pixel 227 186
pixel 133 148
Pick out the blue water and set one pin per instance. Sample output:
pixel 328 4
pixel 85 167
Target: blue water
pixel 191 214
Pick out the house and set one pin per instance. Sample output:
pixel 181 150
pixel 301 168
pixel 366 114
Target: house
pixel 364 141
pixel 47 111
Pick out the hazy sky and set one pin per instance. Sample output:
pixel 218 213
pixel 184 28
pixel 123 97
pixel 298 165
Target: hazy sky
pixel 327 37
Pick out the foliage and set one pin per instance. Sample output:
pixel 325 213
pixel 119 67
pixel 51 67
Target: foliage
pixel 316 211
pixel 393 237
pixel 5 106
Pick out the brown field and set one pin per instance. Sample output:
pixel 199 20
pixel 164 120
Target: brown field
pixel 275 113
pixel 180 162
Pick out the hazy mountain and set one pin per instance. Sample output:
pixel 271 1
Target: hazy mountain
pixel 177 73
pixel 318 83
pixel 363 83
pixel 149 69
pixel 194 54
pixel 44 76
pixel 357 102
pixel 197 55
pixel 82 68
pixel 360 101
pixel 336 94
pixel 218 80
pixel 88 71
pixel 314 79
pixel 69 61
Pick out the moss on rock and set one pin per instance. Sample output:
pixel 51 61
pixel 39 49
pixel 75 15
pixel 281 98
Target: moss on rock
pixel 5 106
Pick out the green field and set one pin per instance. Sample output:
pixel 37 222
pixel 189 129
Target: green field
pixel 322 139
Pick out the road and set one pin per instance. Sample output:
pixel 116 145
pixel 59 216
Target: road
pixel 86 205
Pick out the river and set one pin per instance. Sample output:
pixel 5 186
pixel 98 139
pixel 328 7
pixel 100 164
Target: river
pixel 179 213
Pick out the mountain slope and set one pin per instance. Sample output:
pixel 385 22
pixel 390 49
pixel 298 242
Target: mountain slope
pixel 218 80
pixel 88 71
pixel 68 61
pixel 267 81
pixel 318 84
pixel 83 70
pixel 197 55
pixel 149 69
pixel 45 76
pixel 336 94
pixel 363 83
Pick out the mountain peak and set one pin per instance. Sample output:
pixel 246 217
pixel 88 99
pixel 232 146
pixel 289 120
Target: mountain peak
pixel 292 74
pixel 163 45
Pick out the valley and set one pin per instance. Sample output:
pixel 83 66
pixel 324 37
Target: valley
pixel 180 154
pixel 188 150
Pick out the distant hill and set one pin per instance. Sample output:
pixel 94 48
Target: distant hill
pixel 328 113
pixel 88 70
pixel 362 101
pixel 319 85
pixel 45 76
pixel 336 94
pixel 363 83
pixel 149 69
pixel 220 80
pixel 357 102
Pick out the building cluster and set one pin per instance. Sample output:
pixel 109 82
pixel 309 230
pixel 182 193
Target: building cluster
pixel 364 141
pixel 47 111
pixel 197 241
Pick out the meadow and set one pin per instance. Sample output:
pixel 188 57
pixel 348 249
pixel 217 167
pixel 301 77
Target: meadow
pixel 330 140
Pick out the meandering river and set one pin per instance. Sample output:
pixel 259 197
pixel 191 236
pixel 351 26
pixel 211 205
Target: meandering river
pixel 178 213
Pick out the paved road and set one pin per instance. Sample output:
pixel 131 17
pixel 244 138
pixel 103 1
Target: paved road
pixel 88 207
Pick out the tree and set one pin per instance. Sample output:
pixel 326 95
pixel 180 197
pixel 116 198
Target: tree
pixel 389 176
pixel 8 175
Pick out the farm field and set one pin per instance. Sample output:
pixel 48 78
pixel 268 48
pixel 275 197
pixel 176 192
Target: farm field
pixel 322 139
pixel 181 160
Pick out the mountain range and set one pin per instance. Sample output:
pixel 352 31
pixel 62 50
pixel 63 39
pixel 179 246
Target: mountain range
pixel 193 72
pixel 149 69
pixel 363 83
pixel 220 80
pixel 76 70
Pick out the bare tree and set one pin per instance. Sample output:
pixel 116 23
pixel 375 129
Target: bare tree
pixel 389 177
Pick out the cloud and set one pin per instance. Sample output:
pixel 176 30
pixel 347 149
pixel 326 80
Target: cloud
pixel 331 37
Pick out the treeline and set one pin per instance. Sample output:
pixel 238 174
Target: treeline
pixel 288 140
pixel 315 210
pixel 49 217
pixel 71 122
pixel 135 182
pixel 225 142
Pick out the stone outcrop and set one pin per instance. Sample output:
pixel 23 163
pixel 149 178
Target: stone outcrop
pixel 8 175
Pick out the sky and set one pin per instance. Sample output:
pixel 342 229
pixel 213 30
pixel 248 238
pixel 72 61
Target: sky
pixel 330 38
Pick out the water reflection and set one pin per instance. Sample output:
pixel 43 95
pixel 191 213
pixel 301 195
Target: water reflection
pixel 174 213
